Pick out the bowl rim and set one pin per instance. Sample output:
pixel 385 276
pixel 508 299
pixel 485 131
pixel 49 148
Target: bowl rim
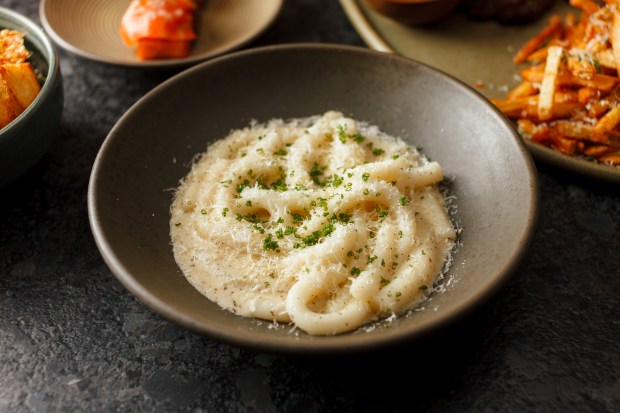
pixel 336 344
pixel 53 71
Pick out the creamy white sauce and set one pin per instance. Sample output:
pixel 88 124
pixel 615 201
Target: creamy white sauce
pixel 325 222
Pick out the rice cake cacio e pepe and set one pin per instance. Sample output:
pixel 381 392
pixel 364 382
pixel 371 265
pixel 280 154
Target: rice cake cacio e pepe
pixel 325 222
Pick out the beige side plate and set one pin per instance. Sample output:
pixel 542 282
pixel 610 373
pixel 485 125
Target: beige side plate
pixel 91 28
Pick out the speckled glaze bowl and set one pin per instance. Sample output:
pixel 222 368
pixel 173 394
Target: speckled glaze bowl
pixel 24 141
pixel 488 170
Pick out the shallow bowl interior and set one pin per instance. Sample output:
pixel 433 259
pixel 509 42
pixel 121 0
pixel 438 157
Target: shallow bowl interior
pixel 24 141
pixel 152 146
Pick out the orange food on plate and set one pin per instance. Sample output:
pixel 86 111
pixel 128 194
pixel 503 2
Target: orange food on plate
pixel 19 85
pixel 569 99
pixel 159 28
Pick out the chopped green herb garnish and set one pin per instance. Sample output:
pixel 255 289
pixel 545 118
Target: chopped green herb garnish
pixel 242 185
pixel 404 201
pixel 343 135
pixel 337 181
pixel 225 211
pixel 315 172
pixel 270 244
pixel 344 217
pixel 280 184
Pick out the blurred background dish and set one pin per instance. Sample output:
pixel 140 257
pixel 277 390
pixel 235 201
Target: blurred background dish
pixel 507 11
pixel 152 146
pixel 414 11
pixel 25 140
pixel 91 28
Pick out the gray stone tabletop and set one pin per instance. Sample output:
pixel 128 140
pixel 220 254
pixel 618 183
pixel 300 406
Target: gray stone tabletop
pixel 72 339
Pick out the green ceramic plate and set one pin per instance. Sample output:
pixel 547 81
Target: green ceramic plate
pixel 476 52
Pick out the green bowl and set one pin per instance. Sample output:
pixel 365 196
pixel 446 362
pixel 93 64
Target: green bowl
pixel 24 141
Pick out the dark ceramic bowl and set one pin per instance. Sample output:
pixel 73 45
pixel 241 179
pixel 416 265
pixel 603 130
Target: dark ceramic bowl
pixel 414 11
pixel 24 141
pixel 152 146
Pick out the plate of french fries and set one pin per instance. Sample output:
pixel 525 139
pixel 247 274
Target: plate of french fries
pixel 555 77
pixel 569 98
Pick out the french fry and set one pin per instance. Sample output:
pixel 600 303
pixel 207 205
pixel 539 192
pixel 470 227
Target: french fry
pixel 526 127
pixel 615 40
pixel 585 94
pixel 587 6
pixel 609 121
pixel 607 59
pixel 547 87
pixel 525 88
pixel 598 81
pixel 549 137
pixel 537 56
pixel 554 25
pixel 596 151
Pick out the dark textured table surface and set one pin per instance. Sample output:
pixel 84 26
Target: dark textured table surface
pixel 73 339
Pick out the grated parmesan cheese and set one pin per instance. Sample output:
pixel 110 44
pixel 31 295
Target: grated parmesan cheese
pixel 324 222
